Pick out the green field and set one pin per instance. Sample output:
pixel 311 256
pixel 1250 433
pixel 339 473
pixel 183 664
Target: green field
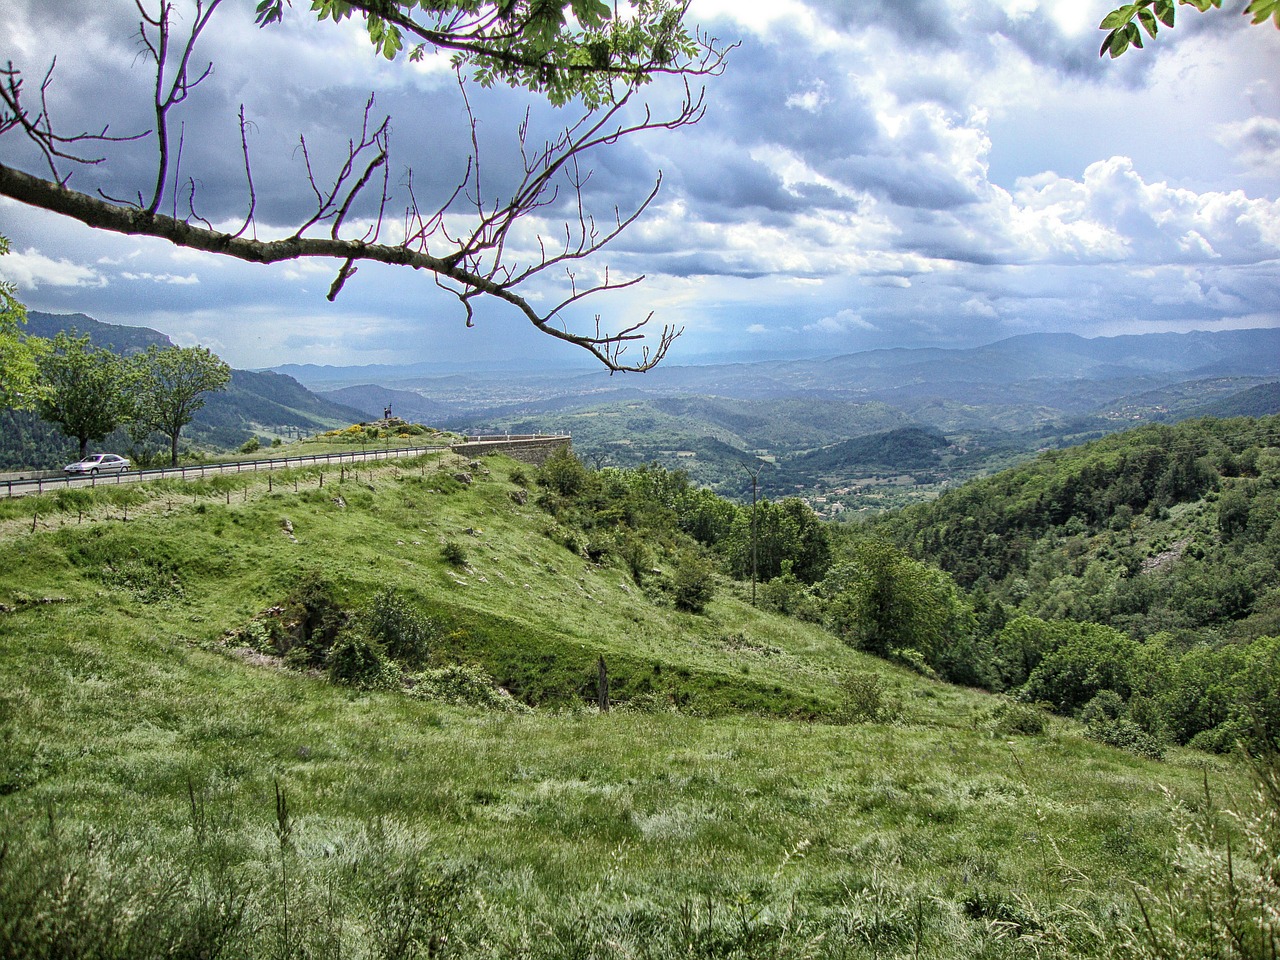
pixel 759 789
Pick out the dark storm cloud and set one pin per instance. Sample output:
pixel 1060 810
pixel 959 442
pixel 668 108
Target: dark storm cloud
pixel 927 183
pixel 915 21
pixel 761 100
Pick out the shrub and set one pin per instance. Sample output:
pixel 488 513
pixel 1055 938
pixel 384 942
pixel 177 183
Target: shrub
pixel 863 696
pixel 636 555
pixel 564 474
pixel 313 618
pixel 914 660
pixel 785 593
pixel 1103 708
pixel 463 686
pixel 357 661
pixel 454 553
pixel 403 632
pixel 1124 734
pixel 692 586
pixel 1010 718
pixel 252 445
pixel 651 701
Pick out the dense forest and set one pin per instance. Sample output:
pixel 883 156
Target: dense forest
pixel 1133 582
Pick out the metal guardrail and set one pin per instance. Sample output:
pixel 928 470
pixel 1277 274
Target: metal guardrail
pixel 40 485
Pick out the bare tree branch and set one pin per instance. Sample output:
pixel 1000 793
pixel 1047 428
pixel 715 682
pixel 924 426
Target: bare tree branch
pixel 466 243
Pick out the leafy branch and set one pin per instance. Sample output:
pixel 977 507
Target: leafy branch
pixel 1126 24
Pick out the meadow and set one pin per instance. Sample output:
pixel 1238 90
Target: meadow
pixel 758 789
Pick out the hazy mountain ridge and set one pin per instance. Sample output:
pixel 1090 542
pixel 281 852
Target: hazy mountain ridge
pixel 118 338
pixel 996 403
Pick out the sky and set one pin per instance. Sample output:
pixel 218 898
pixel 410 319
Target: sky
pixel 868 174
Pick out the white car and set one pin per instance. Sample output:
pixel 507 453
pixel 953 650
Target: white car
pixel 97 463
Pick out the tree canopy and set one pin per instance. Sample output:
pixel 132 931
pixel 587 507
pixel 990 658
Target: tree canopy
pixel 82 389
pixel 566 51
pixel 560 49
pixel 18 353
pixel 167 387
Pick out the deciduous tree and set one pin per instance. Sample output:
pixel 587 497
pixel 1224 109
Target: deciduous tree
pixel 18 352
pixel 81 389
pixel 167 388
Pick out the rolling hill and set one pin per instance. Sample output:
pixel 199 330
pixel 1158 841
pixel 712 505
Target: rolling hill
pixel 759 788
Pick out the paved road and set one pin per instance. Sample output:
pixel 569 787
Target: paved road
pixel 18 488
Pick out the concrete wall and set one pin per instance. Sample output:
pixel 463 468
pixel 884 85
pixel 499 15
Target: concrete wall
pixel 31 475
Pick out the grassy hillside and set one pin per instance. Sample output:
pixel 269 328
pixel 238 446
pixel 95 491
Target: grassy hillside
pixel 170 787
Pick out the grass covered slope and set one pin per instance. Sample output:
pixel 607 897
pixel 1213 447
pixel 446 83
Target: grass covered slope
pixel 767 792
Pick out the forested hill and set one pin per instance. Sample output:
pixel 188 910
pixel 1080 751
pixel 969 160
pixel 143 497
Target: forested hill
pixel 251 405
pixel 1164 529
pixel 111 336
pixel 909 448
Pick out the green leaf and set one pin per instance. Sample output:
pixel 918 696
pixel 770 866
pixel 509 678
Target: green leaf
pixel 269 11
pixel 1165 11
pixel 1148 21
pixel 1115 44
pixel 1262 10
pixel 1118 18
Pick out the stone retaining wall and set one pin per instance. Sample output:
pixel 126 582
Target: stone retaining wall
pixel 525 449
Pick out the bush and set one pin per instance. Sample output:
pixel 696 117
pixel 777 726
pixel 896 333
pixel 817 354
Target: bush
pixel 462 686
pixel 454 553
pixel 785 593
pixel 313 617
pixel 1124 734
pixel 863 697
pixel 357 661
pixel 252 445
pixel 914 660
pixel 564 474
pixel 1103 708
pixel 692 586
pixel 1010 718
pixel 404 633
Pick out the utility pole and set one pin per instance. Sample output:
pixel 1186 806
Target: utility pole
pixel 755 486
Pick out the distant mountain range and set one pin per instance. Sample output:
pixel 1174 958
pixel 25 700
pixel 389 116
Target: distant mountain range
pixel 936 414
pixel 992 403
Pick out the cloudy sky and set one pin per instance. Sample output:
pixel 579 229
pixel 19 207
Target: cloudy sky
pixel 869 173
